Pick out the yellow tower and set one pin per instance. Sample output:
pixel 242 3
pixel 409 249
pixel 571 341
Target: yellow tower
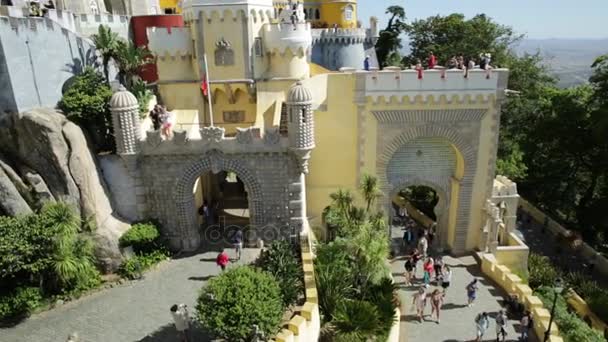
pixel 332 13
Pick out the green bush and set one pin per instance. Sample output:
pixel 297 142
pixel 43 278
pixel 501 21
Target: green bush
pixel 133 268
pixel 281 260
pixel 541 270
pixel 143 95
pixel 143 237
pixel 230 304
pixel 86 102
pixel 19 303
pixel 571 326
pixel 357 321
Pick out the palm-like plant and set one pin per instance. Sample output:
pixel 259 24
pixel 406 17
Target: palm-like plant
pixel 356 320
pixel 106 42
pixel 370 190
pixel 130 59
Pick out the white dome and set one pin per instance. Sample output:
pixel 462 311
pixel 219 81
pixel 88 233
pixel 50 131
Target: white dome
pixel 123 100
pixel 299 94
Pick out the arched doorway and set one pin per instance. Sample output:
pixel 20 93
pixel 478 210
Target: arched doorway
pixel 432 162
pixel 213 166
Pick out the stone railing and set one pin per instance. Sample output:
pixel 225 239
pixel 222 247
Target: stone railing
pixel 305 326
pixel 513 254
pixel 556 229
pixel 512 284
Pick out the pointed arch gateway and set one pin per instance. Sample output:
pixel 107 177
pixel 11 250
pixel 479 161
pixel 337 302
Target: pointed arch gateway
pixel 449 171
pixel 213 161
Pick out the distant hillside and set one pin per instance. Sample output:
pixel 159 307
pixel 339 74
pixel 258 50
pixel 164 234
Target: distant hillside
pixel 569 59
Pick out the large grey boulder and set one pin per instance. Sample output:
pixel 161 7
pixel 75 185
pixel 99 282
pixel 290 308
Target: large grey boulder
pixel 11 202
pixel 57 159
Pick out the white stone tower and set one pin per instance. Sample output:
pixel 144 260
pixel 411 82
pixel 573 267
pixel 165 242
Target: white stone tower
pixel 125 120
pixel 300 124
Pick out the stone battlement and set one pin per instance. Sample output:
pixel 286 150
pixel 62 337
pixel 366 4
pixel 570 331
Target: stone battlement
pixel 397 83
pixel 503 186
pixel 339 35
pixel 30 25
pixel 173 41
pixel 247 140
pixel 283 37
pixel 213 15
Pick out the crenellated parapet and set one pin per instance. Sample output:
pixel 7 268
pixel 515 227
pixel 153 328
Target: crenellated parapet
pixel 280 38
pixel 432 86
pixel 258 11
pixel 503 187
pixel 166 42
pixel 339 36
pixel 247 140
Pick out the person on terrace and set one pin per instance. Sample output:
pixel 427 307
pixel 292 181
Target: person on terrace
pixel 432 60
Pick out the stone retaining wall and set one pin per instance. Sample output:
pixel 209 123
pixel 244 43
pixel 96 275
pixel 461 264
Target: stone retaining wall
pixel 305 326
pixel 583 310
pixel 513 285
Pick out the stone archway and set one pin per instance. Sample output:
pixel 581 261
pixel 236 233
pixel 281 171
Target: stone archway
pixel 441 209
pixel 213 161
pixel 457 188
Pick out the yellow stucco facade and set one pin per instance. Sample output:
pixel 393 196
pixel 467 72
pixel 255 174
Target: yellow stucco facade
pixel 170 6
pixel 364 122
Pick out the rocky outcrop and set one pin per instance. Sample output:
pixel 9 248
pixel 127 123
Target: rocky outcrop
pixel 12 202
pixel 53 156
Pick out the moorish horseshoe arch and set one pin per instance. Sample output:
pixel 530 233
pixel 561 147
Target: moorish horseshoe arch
pixel 441 209
pixel 213 161
pixel 463 150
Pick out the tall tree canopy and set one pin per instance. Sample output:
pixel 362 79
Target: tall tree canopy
pixel 389 42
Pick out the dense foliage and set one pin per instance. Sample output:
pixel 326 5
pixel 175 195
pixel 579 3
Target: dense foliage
pixel 572 328
pixel 236 300
pixel 145 239
pixel 43 255
pixel 423 198
pixel 356 294
pixel 281 261
pixel 86 102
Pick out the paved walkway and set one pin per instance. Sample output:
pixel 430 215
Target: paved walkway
pixel 134 311
pixel 457 320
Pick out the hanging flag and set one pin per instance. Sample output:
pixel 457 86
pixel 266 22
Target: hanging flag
pixel 205 86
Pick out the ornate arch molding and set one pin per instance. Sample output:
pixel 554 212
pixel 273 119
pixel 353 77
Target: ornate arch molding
pixel 469 155
pixel 213 161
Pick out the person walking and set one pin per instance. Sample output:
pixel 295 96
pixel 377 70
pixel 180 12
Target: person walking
pixel 366 63
pixel 423 245
pixel 482 323
pixel 222 260
pixel 438 268
pixel 409 270
pixel 447 279
pixel 471 292
pixel 415 257
pixel 181 319
pixel 526 324
pixel 428 270
pixel 436 303
pixel 501 326
pixel 419 303
pixel 237 241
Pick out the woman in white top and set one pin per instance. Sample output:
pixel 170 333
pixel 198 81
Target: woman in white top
pixel 166 119
pixel 446 279
pixel 181 320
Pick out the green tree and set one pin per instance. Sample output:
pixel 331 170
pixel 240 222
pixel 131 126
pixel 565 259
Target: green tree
pixel 370 189
pixel 106 42
pixel 389 41
pixel 86 102
pixel 130 59
pixel 236 300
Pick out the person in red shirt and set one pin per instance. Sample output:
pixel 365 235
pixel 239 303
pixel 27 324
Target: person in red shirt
pixel 222 259
pixel 432 60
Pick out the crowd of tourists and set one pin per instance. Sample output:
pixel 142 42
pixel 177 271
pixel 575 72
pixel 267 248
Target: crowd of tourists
pixel 417 241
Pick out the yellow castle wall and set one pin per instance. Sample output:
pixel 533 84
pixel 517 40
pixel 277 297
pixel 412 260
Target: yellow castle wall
pixel 332 12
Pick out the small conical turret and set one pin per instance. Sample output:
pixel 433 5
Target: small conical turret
pixel 300 123
pixel 125 120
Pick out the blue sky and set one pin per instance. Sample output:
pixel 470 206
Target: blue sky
pixel 535 18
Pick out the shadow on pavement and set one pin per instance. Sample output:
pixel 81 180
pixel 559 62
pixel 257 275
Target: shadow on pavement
pixel 168 333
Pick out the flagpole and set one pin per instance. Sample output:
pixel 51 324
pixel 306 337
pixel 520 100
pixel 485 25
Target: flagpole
pixel 208 90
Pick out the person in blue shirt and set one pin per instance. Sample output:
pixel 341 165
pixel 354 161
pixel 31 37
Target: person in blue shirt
pixel 366 63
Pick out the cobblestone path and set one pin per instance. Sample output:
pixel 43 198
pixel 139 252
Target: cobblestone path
pixel 134 311
pixel 457 320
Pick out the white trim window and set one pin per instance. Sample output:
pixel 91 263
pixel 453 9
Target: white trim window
pixel 348 13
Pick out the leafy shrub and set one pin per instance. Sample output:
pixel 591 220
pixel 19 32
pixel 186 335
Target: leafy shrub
pixel 282 262
pixel 86 102
pixel 19 302
pixel 357 321
pixel 133 268
pixel 143 237
pixel 143 95
pixel 237 299
pixel 334 277
pixel 384 296
pixel 571 326
pixel 541 270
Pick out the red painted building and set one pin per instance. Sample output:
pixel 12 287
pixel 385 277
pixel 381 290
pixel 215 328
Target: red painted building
pixel 140 24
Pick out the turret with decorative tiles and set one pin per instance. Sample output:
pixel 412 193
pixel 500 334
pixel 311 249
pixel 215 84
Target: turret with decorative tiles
pixel 125 120
pixel 300 124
